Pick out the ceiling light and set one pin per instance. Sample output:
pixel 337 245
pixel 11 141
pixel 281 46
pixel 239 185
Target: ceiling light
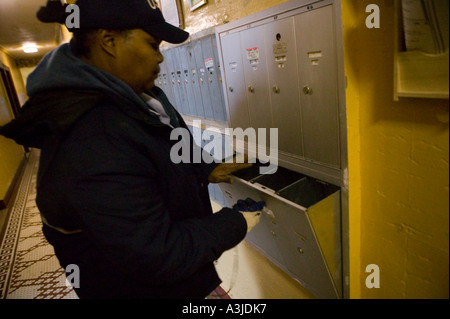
pixel 30 48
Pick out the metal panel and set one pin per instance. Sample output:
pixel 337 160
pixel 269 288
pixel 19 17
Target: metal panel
pixel 195 81
pixel 234 81
pixel 164 81
pixel 222 111
pixel 317 168
pixel 263 233
pixel 283 76
pixel 322 201
pixel 172 73
pixel 212 77
pixel 286 235
pixel 256 82
pixel 186 82
pixel 203 79
pixel 318 85
pixel 177 63
pixel 288 8
pixel 301 250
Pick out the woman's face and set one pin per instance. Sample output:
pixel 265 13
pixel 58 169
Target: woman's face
pixel 137 60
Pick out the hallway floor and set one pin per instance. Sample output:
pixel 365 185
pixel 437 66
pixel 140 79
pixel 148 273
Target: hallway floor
pixel 29 268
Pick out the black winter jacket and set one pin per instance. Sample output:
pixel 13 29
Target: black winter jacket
pixel 148 230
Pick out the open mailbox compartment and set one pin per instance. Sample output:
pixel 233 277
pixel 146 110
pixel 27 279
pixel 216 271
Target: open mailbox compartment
pixel 300 229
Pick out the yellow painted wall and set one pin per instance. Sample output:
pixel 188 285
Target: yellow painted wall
pixel 11 154
pixel 399 177
pixel 15 72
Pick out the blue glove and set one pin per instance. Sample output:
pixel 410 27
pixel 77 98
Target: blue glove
pixel 251 211
pixel 249 205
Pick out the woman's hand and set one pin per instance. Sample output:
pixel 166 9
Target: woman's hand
pixel 222 172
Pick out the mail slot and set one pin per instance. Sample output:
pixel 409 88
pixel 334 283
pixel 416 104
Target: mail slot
pixel 279 180
pixel 249 174
pixel 308 191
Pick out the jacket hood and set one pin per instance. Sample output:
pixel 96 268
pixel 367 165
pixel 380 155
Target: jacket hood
pixel 61 69
pixel 61 89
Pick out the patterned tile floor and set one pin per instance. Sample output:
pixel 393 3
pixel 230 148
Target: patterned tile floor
pixel 28 266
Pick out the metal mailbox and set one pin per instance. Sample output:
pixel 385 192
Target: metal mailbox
pixel 194 74
pixel 282 68
pixel 281 72
pixel 300 231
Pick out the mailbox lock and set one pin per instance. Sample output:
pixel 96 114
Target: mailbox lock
pixel 251 89
pixel 301 251
pixel 307 90
pixel 276 90
pixel 231 89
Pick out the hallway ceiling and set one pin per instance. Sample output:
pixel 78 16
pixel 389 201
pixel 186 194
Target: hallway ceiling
pixel 19 26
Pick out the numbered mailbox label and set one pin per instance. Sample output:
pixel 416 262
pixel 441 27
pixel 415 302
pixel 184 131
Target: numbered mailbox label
pixel 253 53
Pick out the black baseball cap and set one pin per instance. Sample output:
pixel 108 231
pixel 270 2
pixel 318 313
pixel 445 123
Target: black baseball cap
pixel 126 15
